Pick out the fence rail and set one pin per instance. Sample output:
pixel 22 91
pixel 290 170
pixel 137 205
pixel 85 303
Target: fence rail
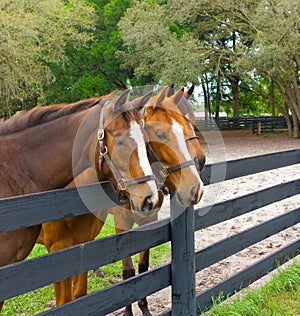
pixel 37 208
pixel 259 124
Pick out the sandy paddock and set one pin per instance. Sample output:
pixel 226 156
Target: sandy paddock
pixel 228 146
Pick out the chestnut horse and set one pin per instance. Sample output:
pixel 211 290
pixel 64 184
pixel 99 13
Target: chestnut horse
pixel 37 154
pixel 65 233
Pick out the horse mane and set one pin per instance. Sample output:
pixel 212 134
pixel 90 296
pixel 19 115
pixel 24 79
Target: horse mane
pixel 43 114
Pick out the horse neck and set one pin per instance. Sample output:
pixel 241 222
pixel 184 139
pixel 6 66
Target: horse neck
pixel 40 158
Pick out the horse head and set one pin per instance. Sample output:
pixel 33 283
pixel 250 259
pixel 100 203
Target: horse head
pixel 192 139
pixel 120 155
pixel 167 131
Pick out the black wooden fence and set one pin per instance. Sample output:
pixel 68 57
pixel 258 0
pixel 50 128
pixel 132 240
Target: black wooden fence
pixel 37 208
pixel 259 124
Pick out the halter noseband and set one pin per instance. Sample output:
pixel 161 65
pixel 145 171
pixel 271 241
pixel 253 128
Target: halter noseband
pixel 104 155
pixel 163 172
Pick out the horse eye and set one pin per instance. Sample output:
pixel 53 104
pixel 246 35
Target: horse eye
pixel 119 142
pixel 161 135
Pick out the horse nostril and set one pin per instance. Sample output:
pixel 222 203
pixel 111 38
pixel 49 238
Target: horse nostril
pixel 147 204
pixel 193 194
pixel 199 163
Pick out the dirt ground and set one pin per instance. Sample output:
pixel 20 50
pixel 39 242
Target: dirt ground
pixel 230 145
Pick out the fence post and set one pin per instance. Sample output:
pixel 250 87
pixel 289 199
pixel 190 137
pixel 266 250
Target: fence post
pixel 183 260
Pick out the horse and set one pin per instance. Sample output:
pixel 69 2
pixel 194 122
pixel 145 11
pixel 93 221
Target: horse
pixel 37 154
pixel 68 232
pixel 124 220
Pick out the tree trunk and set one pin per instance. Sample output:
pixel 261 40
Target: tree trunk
pixel 296 128
pixel 218 97
pixel 272 95
pixel 234 82
pixel 205 89
pixel 289 125
pixel 235 98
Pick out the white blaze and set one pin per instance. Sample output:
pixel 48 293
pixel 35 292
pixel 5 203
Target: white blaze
pixel 137 135
pixel 178 131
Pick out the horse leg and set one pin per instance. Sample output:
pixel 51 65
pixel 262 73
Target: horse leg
pixel 63 288
pixel 143 267
pixel 79 285
pixel 128 272
pixel 63 291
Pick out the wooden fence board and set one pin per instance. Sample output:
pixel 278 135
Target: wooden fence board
pixel 211 215
pixel 244 278
pixel 235 243
pixel 116 296
pixel 37 272
pixel 250 165
pixel 247 276
pixel 23 211
pixel 183 265
pixel 32 209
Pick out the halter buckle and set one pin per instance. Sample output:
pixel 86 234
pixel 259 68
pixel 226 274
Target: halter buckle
pixel 122 185
pixel 164 172
pixel 103 151
pixel 142 122
pixel 100 134
pixel 164 190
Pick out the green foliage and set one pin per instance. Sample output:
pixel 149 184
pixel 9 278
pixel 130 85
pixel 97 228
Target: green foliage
pixel 34 34
pixel 62 51
pixel 240 42
pixel 94 70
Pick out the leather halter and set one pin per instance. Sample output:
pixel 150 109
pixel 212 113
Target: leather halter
pixel 104 155
pixel 192 137
pixel 163 172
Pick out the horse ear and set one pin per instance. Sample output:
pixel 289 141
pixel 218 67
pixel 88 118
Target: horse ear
pixel 161 96
pixel 190 91
pixel 122 100
pixel 171 90
pixel 140 103
pixel 178 96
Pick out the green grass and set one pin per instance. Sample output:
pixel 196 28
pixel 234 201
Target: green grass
pixel 42 299
pixel 278 297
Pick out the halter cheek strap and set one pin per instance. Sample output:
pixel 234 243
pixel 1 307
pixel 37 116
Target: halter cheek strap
pixel 192 137
pixel 163 172
pixel 104 155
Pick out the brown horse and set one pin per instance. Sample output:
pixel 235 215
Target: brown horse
pixel 64 233
pixel 37 154
pixel 124 220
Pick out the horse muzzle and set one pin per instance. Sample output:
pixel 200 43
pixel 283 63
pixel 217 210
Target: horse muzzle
pixel 147 208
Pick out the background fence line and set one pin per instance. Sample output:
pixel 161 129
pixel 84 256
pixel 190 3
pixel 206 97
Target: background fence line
pixel 27 210
pixel 258 124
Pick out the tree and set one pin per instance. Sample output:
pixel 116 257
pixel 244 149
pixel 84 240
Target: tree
pixel 158 48
pixel 235 40
pixel 275 56
pixel 33 35
pixel 180 42
pixel 96 69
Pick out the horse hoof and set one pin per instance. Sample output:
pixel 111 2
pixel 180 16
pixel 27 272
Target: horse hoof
pixel 99 273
